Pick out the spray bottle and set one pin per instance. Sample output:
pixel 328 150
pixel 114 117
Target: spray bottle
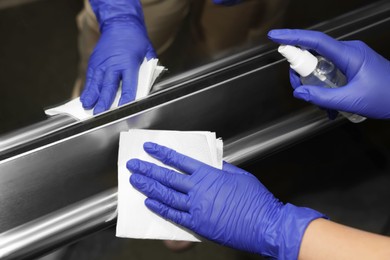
pixel 316 71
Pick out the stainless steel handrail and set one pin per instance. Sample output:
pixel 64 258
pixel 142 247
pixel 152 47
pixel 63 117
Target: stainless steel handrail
pixel 276 136
pixel 55 229
pixel 35 131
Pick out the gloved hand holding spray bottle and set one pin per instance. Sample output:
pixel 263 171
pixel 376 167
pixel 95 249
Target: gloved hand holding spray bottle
pixel 316 71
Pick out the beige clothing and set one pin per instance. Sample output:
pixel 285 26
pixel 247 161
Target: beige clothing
pixel 220 28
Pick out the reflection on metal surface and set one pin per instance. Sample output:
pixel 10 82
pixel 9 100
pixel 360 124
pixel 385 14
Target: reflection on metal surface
pixel 245 101
pixel 276 136
pixel 43 233
pixel 35 131
pixel 12 3
pixel 98 211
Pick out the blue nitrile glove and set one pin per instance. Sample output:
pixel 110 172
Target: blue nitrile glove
pixel 121 49
pixel 367 92
pixel 228 206
pixel 226 2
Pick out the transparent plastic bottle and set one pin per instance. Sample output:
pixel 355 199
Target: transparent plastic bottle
pixel 317 71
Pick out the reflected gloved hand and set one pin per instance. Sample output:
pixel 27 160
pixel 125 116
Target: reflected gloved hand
pixel 226 2
pixel 367 92
pixel 228 206
pixel 121 49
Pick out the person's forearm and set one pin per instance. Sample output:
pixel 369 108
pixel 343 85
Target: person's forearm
pixel 325 239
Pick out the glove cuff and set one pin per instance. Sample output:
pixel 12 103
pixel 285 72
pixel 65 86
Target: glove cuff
pixel 294 222
pixel 106 11
pixel 127 21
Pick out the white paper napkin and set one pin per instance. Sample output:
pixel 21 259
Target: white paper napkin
pixel 148 73
pixel 135 220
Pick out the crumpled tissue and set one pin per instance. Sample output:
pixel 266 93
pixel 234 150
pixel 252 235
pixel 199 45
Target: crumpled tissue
pixel 148 73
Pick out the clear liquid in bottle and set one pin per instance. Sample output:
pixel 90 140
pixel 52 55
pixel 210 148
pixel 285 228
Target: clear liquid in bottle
pixel 317 71
pixel 327 75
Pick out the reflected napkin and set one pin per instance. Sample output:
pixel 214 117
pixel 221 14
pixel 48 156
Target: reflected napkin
pixel 135 220
pixel 148 73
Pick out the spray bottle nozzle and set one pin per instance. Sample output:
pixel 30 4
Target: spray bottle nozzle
pixel 302 61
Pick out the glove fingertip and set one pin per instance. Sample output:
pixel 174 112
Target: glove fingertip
pixel 153 205
pixel 99 108
pixel 302 93
pixel 105 100
pixel 150 55
pixel 88 100
pixel 132 164
pixel 157 151
pixel 294 79
pixel 86 103
pixel 150 147
pixel 125 99
pixel 277 34
pixel 135 180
